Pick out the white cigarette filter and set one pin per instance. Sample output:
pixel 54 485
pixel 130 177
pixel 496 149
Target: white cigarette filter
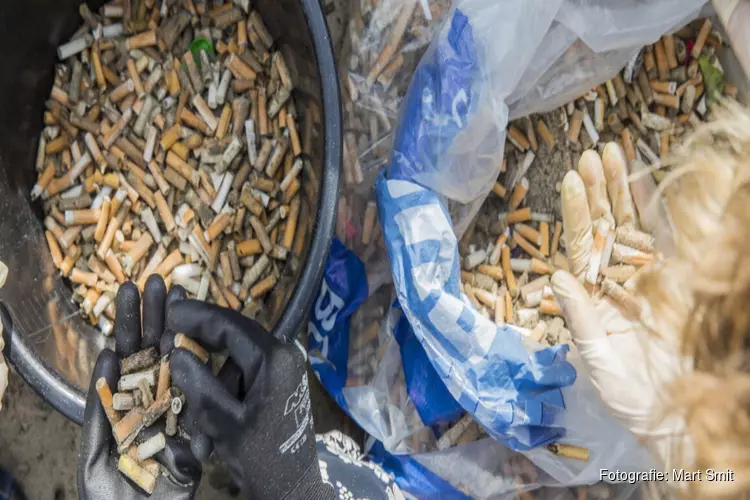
pixel 151 447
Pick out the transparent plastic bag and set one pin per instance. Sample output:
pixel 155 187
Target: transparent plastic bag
pixel 520 56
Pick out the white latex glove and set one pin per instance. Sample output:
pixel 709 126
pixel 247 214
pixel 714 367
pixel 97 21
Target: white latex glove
pixel 3 366
pixel 628 366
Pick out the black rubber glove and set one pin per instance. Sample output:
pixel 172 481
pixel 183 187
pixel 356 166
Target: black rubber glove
pixel 98 476
pixel 257 411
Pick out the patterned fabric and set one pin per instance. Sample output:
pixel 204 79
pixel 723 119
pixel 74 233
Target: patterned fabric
pixel 341 466
pixel 9 488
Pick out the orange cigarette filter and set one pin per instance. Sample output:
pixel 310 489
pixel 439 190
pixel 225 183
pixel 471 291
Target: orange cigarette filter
pixel 508 307
pixel 181 341
pixel 528 232
pixel 551 307
pixel 574 129
pixel 519 193
pixel 527 247
pixel 520 215
pixel 700 41
pixel 547 136
pixel 556 238
pixel 510 279
pixel 517 138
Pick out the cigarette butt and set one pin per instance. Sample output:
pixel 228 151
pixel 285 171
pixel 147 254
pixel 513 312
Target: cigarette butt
pixel 619 274
pixel 623 254
pixel 661 60
pixel 551 307
pixel 499 190
pixel 497 249
pixel 614 123
pixel 217 227
pixel 508 307
pixel 140 476
pixel 184 342
pixel 569 451
pixel 700 41
pixel 541 267
pixel 263 287
pixel 173 260
pixel 369 223
pixel 249 247
pixel 547 136
pixel 518 139
pixel 495 272
pixel 54 249
pixel 151 447
pixel 520 215
pixel 123 401
pixel 83 277
pixel 139 361
pixel 600 237
pixel 671 52
pixel 627 144
pixel 127 426
pixel 510 279
pixel 485 297
pixel 518 194
pixel 664 87
pixel 663 145
pixel 538 332
pixel 469 291
pixel 500 309
pixel 113 264
pixel 529 233
pixel 531 134
pixel 101 224
pixel 545 246
pixel 619 86
pixel 671 101
pixel 164 212
pixel 576 122
pixel 164 378
pixel 239 69
pixel 82 217
pixel 105 396
pixel 145 39
pixel 527 247
pixel 634 238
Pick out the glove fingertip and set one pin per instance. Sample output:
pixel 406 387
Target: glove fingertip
pixel 107 366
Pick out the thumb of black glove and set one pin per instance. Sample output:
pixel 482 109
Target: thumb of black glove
pixel 98 476
pixel 264 429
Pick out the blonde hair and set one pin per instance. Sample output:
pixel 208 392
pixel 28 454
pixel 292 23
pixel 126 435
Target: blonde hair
pixel 701 296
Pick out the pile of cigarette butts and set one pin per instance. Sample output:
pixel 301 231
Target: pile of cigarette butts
pixel 648 107
pixel 384 46
pixel 141 374
pixel 171 146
